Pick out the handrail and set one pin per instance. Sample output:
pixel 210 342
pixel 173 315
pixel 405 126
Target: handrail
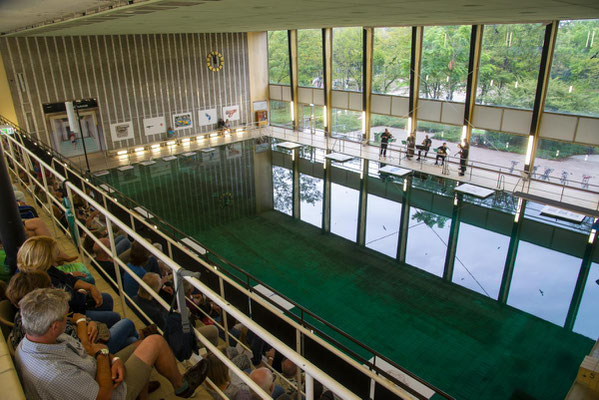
pixel 221 259
pixel 279 345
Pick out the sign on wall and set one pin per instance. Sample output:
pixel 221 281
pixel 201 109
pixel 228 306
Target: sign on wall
pixel 231 113
pixel 207 117
pixel 154 126
pixel 260 106
pixel 121 131
pixel 182 121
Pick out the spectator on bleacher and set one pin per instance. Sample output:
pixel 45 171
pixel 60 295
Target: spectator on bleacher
pixel 158 314
pixel 289 373
pixel 119 336
pixel 263 378
pixel 219 376
pixel 37 227
pixel 40 253
pixel 53 365
pixel 104 259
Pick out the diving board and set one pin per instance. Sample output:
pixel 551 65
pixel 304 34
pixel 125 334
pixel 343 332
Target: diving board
pixel 143 212
pixel 169 158
pixel 208 150
pixel 146 163
pixel 391 170
pixel 125 168
pixel 107 188
pixel 275 298
pixel 404 378
pixel 193 245
pixel 551 211
pixel 289 145
pixel 476 191
pixel 338 157
pixel 101 173
pixel 189 154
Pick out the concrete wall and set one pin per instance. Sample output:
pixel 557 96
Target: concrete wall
pixel 7 108
pixel 132 76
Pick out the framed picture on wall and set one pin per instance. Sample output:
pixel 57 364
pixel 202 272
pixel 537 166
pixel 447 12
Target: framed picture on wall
pixel 121 131
pixel 182 121
pixel 231 113
pixel 154 126
pixel 207 117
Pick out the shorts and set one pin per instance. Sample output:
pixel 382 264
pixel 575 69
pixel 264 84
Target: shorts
pixel 137 372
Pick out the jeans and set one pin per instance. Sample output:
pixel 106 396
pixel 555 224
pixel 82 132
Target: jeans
pixel 104 313
pixel 122 334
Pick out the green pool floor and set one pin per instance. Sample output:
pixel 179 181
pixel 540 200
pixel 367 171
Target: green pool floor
pixel 469 346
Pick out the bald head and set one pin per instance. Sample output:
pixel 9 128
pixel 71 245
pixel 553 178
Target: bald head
pixel 263 378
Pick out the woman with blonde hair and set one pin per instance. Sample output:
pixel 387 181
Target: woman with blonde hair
pixel 40 253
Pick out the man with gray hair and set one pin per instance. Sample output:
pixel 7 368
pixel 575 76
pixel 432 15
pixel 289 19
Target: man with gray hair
pixel 263 378
pixel 53 365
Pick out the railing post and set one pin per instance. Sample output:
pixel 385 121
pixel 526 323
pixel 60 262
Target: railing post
pixel 221 286
pixel 48 198
pixel 117 268
pixel 309 387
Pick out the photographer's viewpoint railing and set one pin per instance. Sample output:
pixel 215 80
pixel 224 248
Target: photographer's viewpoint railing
pixel 292 335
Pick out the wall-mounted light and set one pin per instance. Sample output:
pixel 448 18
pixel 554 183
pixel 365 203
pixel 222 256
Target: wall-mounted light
pixel 155 146
pixel 215 134
pixel 405 185
pixel 185 141
pixel 409 125
pixel 139 149
pixel 291 114
pixel 531 140
pixel 518 208
pixel 455 201
pixel 171 143
pixel 592 236
pixel 464 131
pixel 121 152
pixel 200 138
pixel 363 121
pixel 325 116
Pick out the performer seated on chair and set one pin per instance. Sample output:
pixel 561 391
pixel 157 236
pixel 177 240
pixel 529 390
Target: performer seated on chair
pixel 441 153
pixel 425 146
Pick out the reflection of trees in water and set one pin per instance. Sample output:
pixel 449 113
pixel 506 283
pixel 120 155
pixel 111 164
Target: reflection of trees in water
pixel 282 180
pixel 430 219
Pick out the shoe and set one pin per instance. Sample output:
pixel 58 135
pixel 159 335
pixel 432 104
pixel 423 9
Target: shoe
pixel 194 376
pixel 460 174
pixel 153 386
pixel 418 159
pixel 147 331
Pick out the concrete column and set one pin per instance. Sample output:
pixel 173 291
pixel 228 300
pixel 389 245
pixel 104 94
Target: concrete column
pixel 363 203
pixel 452 243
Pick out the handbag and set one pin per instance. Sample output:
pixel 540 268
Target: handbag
pixel 178 332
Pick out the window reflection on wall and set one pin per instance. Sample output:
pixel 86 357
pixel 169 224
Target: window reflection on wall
pixel 282 184
pixel 280 113
pixel 344 211
pixel 278 58
pixel 587 322
pixel 311 117
pixel 309 58
pixel 574 84
pixel 347 59
pixel 509 64
pixel 543 282
pixel 382 225
pixel 311 190
pixel 445 54
pixel 480 259
pixel 498 149
pixel 427 240
pixel 391 61
pixel 567 163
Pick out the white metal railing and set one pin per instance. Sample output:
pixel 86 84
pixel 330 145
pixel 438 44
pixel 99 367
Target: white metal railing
pixel 21 158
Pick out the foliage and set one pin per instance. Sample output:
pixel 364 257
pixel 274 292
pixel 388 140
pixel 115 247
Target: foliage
pixel 430 219
pixel 391 60
pixel 309 58
pixel 280 113
pixel 347 59
pixel 447 133
pixel 345 121
pixel 278 58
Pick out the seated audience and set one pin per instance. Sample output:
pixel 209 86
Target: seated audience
pixel 289 384
pixel 53 365
pixel 219 376
pixel 120 335
pixel 263 378
pixel 41 253
pixel 140 263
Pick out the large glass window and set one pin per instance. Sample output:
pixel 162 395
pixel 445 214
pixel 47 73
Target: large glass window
pixel 439 134
pixel 309 58
pixel 278 58
pixel 347 124
pixel 282 184
pixel 396 125
pixel 498 149
pixel 445 53
pixel 587 322
pixel 344 211
pixel 509 64
pixel 382 225
pixel 391 61
pixel 311 189
pixel 347 59
pixel 311 117
pixel 480 259
pixel 543 282
pixel 567 163
pixel 280 113
pixel 574 84
pixel 427 240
